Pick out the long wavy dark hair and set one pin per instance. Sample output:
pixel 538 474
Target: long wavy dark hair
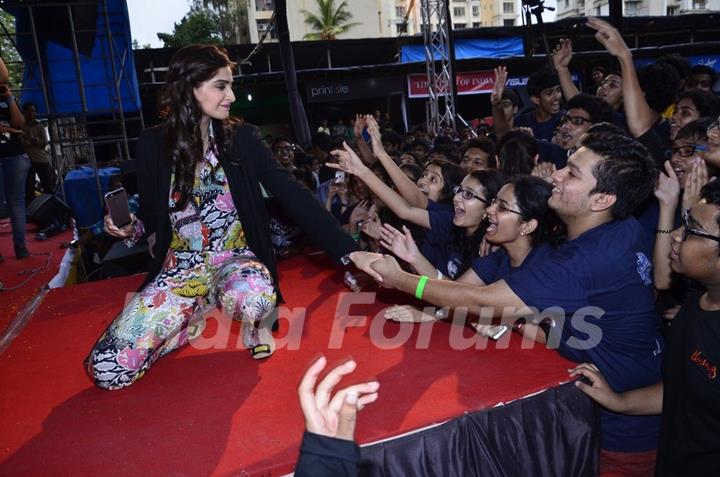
pixel 189 68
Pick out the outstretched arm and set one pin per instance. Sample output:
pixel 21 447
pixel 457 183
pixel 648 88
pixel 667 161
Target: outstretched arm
pixel 349 162
pixel 403 245
pixel 640 116
pixel 407 188
pixel 497 298
pixel 500 122
pixel 561 60
pixel 641 401
pixel 365 153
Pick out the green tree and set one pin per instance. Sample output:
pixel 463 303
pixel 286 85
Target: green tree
pixel 232 19
pixel 137 46
pixel 10 55
pixel 199 25
pixel 330 21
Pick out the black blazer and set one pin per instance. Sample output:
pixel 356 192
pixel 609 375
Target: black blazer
pixel 248 164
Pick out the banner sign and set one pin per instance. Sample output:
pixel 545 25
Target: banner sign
pixel 473 82
pixel 343 90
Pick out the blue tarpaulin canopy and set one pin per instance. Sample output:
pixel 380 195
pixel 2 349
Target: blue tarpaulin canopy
pixel 470 48
pixel 96 60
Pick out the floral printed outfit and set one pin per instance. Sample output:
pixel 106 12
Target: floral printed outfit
pixel 208 264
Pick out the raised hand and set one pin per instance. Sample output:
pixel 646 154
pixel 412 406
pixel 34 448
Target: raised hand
pixel 373 129
pixel 609 37
pixel 371 227
pixel 358 126
pixel 498 85
pixel 347 161
pixel 544 170
pixel 694 183
pixel 667 190
pixel 328 415
pixel 360 212
pixel 402 244
pixel 562 54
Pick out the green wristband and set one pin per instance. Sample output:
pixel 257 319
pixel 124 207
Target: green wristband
pixel 421 287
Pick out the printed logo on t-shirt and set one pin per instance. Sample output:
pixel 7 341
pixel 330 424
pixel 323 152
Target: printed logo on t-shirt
pixel 452 268
pixel 5 136
pixel 697 358
pixel 644 268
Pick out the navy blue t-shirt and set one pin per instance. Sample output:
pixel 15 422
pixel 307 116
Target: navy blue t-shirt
pixel 496 266
pixel 604 268
pixel 10 144
pixel 437 246
pixel 540 130
pixel 551 152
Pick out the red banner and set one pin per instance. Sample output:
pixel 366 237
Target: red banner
pixel 473 82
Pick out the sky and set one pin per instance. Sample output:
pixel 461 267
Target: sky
pixel 148 17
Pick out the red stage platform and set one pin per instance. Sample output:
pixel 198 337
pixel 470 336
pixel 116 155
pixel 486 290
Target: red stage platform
pixel 22 279
pixel 217 411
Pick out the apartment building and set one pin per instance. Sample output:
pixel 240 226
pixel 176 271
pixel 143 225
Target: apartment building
pixel 574 8
pixel 383 18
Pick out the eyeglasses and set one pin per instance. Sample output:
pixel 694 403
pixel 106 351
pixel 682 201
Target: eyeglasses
pixel 501 207
pixel 574 120
pixel 467 194
pixel 685 151
pixel 689 230
pixel 694 83
pixel 279 149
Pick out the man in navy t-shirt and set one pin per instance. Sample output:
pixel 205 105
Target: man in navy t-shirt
pixel 600 279
pixel 544 90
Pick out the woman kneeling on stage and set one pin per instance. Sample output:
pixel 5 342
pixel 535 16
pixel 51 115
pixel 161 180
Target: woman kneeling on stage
pixel 202 210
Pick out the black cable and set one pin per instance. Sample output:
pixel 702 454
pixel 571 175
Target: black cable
pixel 32 272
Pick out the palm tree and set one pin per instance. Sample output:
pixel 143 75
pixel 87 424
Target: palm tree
pixel 330 22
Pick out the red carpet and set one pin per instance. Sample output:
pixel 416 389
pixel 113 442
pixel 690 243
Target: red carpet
pixel 45 258
pixel 218 412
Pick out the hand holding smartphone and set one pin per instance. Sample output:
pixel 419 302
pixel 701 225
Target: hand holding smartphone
pixel 118 208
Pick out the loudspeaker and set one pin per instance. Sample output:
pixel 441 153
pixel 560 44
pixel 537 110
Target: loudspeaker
pixel 47 210
pixel 121 260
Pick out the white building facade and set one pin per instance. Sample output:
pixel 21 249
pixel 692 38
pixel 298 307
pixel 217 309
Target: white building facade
pixel 631 8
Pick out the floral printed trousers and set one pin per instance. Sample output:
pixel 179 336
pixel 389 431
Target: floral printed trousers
pixel 169 311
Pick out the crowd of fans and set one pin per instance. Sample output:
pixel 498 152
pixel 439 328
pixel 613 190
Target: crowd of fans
pixel 472 207
pixel 607 197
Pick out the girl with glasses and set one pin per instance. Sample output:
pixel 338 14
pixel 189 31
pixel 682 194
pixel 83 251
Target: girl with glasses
pixel 451 239
pixel 519 222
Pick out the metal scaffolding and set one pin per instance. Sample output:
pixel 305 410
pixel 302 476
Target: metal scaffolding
pixel 440 112
pixel 76 137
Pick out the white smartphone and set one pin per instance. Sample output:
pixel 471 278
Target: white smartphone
pixel 492 332
pixel 496 332
pixel 118 207
pixel 339 177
